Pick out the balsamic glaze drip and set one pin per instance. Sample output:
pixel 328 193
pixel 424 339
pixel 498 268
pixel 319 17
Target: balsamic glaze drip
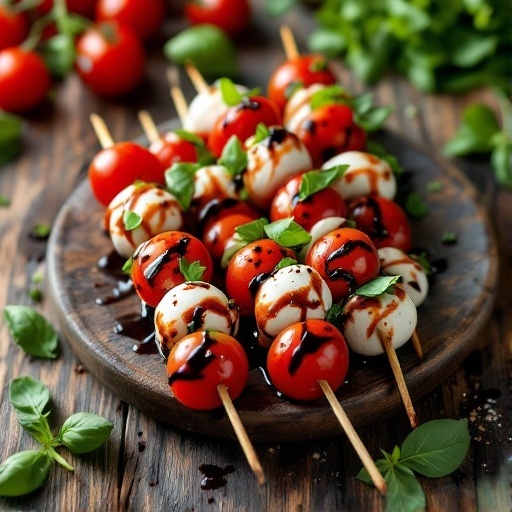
pixel 112 264
pixel 197 318
pixel 214 476
pixel 257 281
pixel 379 229
pixel 310 126
pixel 248 104
pixel 151 271
pixel 122 290
pixel 415 285
pixel 147 345
pixel 214 208
pixel 309 344
pixel 277 136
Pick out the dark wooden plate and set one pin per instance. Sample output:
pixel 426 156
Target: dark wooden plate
pixel 456 311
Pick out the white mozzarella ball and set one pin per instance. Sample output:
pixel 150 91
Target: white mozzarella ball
pixel 292 294
pixel 206 108
pixel 271 163
pixel 213 182
pixel 367 174
pixel 395 262
pixel 320 229
pixel 392 315
pixel 298 107
pixel 158 210
pixel 196 306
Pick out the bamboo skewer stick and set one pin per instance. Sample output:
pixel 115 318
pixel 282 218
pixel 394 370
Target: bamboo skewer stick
pixel 353 437
pixel 196 78
pixel 290 46
pixel 149 126
pixel 417 344
pixel 177 94
pixel 241 434
pixel 101 131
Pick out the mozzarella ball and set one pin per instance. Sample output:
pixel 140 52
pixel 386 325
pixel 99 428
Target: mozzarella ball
pixel 298 107
pixel 193 306
pixel 271 163
pixel 320 229
pixel 158 210
pixel 213 182
pixel 367 174
pixel 395 262
pixel 390 314
pixel 292 294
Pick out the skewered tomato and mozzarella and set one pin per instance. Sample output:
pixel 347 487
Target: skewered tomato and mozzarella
pixel 320 229
pixel 298 107
pixel 171 148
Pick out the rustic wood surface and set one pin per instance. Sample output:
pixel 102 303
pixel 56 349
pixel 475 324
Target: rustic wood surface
pixel 147 465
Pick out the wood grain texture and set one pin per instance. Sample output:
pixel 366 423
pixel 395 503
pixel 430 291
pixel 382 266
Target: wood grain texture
pixel 158 470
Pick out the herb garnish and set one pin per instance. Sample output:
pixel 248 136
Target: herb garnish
pixel 377 286
pixel 191 271
pixel 131 220
pixel 233 156
pixel 179 180
pixel 315 181
pixel 415 206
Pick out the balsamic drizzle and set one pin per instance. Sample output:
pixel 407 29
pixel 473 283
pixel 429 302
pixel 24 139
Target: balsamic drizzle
pixel 309 344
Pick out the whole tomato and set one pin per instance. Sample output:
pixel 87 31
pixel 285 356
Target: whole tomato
pixel 346 258
pixel 170 148
pixel 242 120
pixel 110 59
pixel 115 168
pixel 156 264
pixel 302 71
pixel 224 207
pixel 144 17
pixel 200 362
pixel 13 28
pixel 24 80
pixel 305 353
pixel 82 7
pixel 231 16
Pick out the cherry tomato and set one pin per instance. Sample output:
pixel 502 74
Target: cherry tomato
pixel 13 28
pixel 110 59
pixel 383 221
pixel 231 16
pixel 82 7
pixel 200 362
pixel 304 353
pixel 242 120
pixel 24 80
pixel 156 266
pixel 302 71
pixel 329 130
pixel 144 17
pixel 223 207
pixel 116 167
pixel 249 267
pixel 321 204
pixel 346 258
pixel 170 148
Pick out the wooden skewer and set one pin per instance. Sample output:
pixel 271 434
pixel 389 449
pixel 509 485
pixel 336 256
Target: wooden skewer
pixel 196 78
pixel 149 126
pixel 101 131
pixel 399 376
pixel 241 434
pixel 177 94
pixel 290 46
pixel 417 344
pixel 359 447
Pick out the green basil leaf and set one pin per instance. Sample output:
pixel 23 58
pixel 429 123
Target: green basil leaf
pixel 252 231
pixel 501 160
pixel 208 47
pixel 190 137
pixel 285 262
pixel 24 472
pixel 423 261
pixel 131 220
pixel 327 96
pixel 10 137
pixel 127 267
pixel 395 454
pixel 232 247
pixel 4 201
pixel 364 476
pixel 59 54
pixel 233 157
pixel 191 271
pixel 31 331
pixel 335 315
pixel 415 206
pixel 83 432
pixel 468 48
pixel 278 7
pixel 449 238
pixel 436 448
pixel 287 232
pixel 229 92
pixel 179 180
pixel 315 181
pixel 378 150
pixel 404 491
pixel 328 42
pixel 368 116
pixel 378 286
pixel 72 24
pixel 262 132
pixel 41 231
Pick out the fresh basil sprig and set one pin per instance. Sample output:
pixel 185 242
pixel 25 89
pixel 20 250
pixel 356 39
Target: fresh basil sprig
pixel 315 181
pixel 191 271
pixel 233 156
pixel 262 132
pixel 179 180
pixel 288 233
pixel 31 331
pixel 25 471
pixel 434 449
pixel 377 286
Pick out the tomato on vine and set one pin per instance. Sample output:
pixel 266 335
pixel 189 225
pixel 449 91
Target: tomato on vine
pixel 13 28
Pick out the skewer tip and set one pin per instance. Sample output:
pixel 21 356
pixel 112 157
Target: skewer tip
pixel 417 344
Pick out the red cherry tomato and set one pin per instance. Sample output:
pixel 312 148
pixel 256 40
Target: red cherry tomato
pixel 302 71
pixel 144 17
pixel 200 362
pixel 170 148
pixel 303 354
pixel 13 28
pixel 231 16
pixel 383 221
pixel 346 258
pixel 330 130
pixel 242 120
pixel 321 204
pixel 156 266
pixel 224 207
pixel 110 59
pixel 82 7
pixel 24 80
pixel 249 267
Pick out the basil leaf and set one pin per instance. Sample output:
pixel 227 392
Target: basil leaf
pixel 378 150
pixel 501 160
pixel 327 41
pixel 449 238
pixel 233 157
pixel 262 132
pixel 335 315
pixel 83 432
pixel 127 267
pixel 207 47
pixel 41 231
pixel 59 54
pixel 278 7
pixel 191 271
pixel 423 261
pixel 368 116
pixel 31 331
pixel 327 96
pixel 363 475
pixel 10 137
pixel 285 262
pixel 190 137
pixel 23 472
pixel 287 232
pixel 436 448
pixel 404 491
pixel 131 220
pixel 415 206
pixel 229 92
pixel 378 286
pixel 468 48
pixel 315 181
pixel 4 201
pixel 252 231
pixel 179 180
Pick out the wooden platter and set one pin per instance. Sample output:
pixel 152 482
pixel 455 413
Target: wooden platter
pixel 455 313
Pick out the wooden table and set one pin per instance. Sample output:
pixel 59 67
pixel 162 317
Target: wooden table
pixel 148 465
